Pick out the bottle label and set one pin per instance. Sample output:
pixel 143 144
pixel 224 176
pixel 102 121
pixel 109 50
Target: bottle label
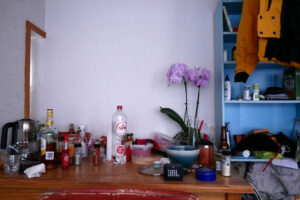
pixel 120 150
pixel 49 155
pixel 43 146
pixel 121 128
pixel 65 160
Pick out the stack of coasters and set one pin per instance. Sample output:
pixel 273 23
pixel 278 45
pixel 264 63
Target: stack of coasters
pixel 205 174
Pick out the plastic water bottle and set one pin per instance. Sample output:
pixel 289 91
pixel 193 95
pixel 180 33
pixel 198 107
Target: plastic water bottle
pixel 119 130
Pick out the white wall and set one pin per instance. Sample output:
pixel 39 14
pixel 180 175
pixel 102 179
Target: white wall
pixel 102 53
pixel 13 16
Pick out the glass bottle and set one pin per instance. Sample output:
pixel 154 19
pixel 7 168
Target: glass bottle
pixel 49 142
pixel 65 155
pixel 71 129
pixel 77 154
pixel 223 144
pixel 72 149
pixel 59 148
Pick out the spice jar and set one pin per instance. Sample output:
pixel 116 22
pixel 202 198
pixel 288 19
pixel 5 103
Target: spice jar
pixel 246 95
pixel 77 154
pixel 96 154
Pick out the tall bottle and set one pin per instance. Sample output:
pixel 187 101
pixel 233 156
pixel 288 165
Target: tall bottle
pixel 224 142
pixel 65 155
pixel 227 89
pixel 84 149
pixel 119 130
pixel 49 142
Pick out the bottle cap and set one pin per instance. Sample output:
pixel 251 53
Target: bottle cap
pixel 119 107
pixel 96 145
pixel 227 78
pixel 255 86
pixel 77 145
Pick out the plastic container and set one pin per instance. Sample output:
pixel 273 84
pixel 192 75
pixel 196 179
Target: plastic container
pixel 141 150
pixel 163 141
pixel 141 154
pixel 205 174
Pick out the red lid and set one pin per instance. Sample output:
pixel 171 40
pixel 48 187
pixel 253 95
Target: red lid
pixel 119 107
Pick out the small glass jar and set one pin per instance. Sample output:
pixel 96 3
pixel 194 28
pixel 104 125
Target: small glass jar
pixel 246 95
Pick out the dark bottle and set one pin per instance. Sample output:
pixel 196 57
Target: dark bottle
pixel 223 143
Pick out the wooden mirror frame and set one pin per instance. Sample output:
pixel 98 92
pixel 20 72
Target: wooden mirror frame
pixel 29 27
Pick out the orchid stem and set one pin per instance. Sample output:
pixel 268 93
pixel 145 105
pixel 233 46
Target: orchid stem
pixel 186 102
pixel 197 105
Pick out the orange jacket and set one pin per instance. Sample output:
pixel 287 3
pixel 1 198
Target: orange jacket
pixel 258 23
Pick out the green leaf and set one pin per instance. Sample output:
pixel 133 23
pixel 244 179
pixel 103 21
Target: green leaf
pixel 173 115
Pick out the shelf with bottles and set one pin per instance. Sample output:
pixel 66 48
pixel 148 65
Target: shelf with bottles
pixel 263 102
pixel 266 77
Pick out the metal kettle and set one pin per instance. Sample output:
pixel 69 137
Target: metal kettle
pixel 24 134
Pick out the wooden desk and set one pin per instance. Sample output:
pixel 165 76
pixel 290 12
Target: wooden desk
pixel 106 174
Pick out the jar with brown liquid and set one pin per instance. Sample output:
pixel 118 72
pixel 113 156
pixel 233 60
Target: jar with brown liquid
pixel 48 142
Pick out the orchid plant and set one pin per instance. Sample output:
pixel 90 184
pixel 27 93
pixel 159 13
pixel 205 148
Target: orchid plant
pixel 178 73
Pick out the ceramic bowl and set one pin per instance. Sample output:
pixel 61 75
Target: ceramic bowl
pixel 186 155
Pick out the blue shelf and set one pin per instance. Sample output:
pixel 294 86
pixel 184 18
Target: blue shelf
pixel 263 101
pixel 232 64
pixel 278 115
pixel 229 37
pixel 234 7
pixel 248 160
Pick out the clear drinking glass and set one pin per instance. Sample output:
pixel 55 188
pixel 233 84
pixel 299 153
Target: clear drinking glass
pixel 11 163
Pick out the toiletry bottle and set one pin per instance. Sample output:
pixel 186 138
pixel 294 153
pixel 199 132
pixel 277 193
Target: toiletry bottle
pixel 227 89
